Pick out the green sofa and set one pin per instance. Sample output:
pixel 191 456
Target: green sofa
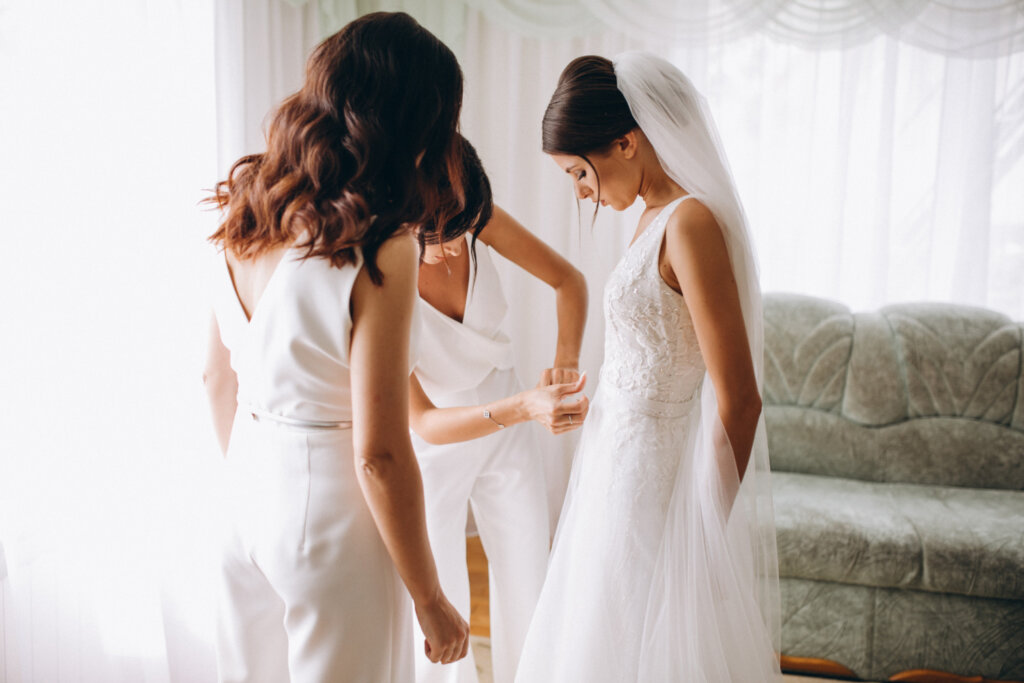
pixel 897 449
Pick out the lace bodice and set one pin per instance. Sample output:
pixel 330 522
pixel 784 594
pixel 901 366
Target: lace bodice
pixel 650 347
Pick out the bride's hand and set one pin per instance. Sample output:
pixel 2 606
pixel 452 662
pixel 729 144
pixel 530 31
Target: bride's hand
pixel 558 376
pixel 546 405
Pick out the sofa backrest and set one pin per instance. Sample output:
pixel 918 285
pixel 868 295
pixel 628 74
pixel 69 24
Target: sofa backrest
pixel 915 393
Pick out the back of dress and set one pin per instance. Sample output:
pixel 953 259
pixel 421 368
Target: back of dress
pixel 292 356
pixel 303 568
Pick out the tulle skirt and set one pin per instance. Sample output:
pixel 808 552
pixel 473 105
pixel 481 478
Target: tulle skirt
pixel 658 570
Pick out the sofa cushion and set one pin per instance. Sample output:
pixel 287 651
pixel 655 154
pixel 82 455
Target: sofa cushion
pixel 878 632
pixel 916 393
pixel 930 538
pixel 951 451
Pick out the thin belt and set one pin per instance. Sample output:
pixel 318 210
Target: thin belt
pixel 649 406
pixel 259 415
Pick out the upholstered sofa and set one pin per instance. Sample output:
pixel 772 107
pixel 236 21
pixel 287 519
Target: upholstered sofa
pixel 897 448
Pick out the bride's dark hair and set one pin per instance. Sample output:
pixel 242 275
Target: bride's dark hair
pixel 587 112
pixel 358 153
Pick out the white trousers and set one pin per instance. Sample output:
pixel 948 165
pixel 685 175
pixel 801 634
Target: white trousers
pixel 308 593
pixel 502 477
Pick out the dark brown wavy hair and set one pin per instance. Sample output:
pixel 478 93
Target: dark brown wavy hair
pixel 358 154
pixel 477 205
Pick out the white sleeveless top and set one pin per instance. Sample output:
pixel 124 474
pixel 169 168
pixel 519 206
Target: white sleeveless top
pixel 292 356
pixel 458 356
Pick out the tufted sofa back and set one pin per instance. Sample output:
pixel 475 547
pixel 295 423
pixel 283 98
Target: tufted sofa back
pixel 913 393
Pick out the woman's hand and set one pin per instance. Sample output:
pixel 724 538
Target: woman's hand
pixel 547 405
pixel 447 633
pixel 558 375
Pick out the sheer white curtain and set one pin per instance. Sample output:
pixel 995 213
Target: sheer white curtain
pixel 108 137
pixel 261 50
pixel 877 173
pixel 963 28
pixel 108 465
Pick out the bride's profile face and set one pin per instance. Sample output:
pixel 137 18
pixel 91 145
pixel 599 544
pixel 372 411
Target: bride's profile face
pixel 609 179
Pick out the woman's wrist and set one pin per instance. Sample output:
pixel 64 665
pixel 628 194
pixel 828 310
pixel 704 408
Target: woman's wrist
pixel 566 362
pixel 515 408
pixel 428 597
pixel 508 411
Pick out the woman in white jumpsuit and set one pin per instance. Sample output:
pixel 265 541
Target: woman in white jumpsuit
pixel 464 387
pixel 307 373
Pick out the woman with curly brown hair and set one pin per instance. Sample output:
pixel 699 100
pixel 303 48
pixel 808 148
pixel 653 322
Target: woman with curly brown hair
pixel 309 362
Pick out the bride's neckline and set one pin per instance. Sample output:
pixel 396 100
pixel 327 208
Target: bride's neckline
pixel 641 232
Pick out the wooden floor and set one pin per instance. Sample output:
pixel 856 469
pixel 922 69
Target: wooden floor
pixel 479 610
pixel 480 620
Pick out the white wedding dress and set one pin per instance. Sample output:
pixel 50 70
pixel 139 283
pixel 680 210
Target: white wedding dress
pixel 664 566
pixel 638 494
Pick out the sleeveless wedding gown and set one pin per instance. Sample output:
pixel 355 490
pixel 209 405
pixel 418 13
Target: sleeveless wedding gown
pixel 650 578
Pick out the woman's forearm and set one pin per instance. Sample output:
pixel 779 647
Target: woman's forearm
pixel 464 423
pixel 571 304
pixel 222 391
pixel 740 423
pixel 393 489
pixel 221 385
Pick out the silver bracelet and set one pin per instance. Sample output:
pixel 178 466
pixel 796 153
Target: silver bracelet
pixel 487 414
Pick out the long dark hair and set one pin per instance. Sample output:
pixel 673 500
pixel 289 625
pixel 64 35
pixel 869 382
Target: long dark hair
pixel 587 112
pixel 358 153
pixel 477 206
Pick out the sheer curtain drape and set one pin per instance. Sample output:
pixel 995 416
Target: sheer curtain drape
pixel 108 466
pixel 964 28
pixel 108 137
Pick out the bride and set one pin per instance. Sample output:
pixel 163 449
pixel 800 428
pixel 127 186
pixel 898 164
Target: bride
pixel 664 565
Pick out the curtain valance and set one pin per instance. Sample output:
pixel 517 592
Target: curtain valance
pixel 958 28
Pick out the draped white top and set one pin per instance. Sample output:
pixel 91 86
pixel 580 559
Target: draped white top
pixel 292 356
pixel 458 356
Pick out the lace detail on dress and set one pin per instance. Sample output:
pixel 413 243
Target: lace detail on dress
pixel 650 346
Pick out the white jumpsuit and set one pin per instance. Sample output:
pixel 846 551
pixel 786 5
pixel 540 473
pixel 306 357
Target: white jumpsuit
pixel 308 592
pixel 500 475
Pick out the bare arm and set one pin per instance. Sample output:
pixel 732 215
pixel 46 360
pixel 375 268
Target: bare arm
pixel 526 250
pixel 385 464
pixel 463 423
pixel 221 385
pixel 698 262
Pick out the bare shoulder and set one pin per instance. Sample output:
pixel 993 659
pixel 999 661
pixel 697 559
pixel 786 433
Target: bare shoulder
pixel 694 250
pixel 398 254
pixel 397 260
pixel 503 231
pixel 693 224
pixel 496 227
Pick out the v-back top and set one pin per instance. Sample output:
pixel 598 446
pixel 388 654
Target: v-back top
pixel 292 356
pixel 454 356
